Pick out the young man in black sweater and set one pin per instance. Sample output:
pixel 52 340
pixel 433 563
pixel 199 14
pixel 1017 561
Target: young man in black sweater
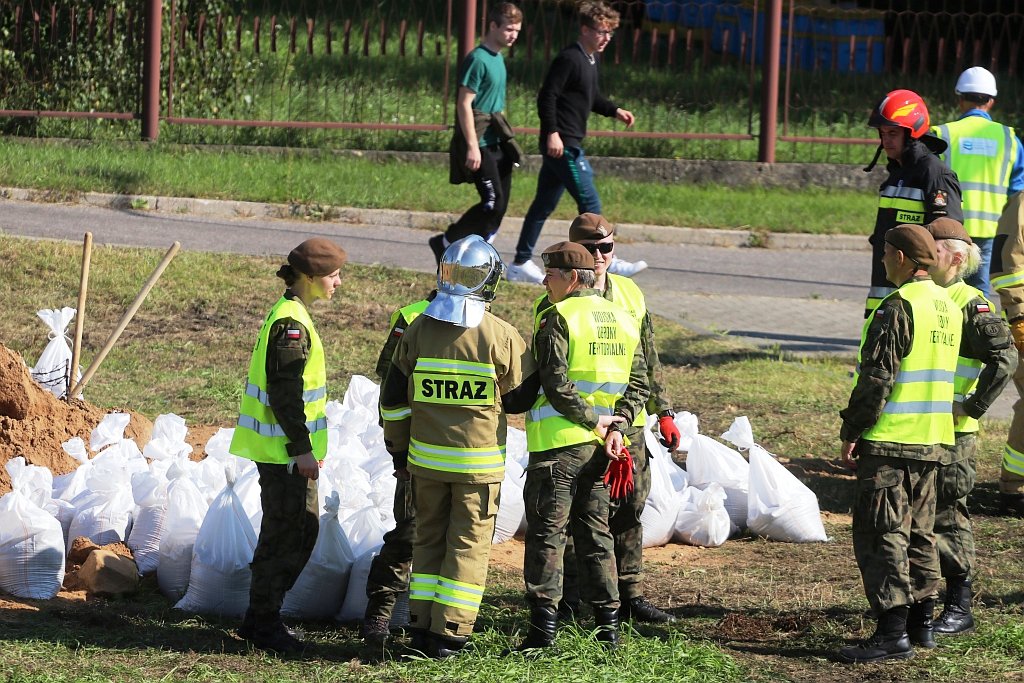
pixel 570 92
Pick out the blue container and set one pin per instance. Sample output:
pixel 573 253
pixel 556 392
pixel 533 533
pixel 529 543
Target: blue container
pixel 698 13
pixel 740 19
pixel 663 10
pixel 832 41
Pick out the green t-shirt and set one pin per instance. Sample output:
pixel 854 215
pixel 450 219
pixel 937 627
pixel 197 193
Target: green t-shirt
pixel 483 72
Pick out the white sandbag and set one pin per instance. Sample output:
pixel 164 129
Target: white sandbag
pixel 186 508
pixel 109 431
pixel 168 439
pixel 354 607
pixel 511 506
pixel 103 513
pixel 703 520
pixel 662 459
pixel 34 481
pixel 659 514
pixel 364 530
pixel 220 575
pixel 69 485
pixel 781 507
pixel 150 493
pixel 515 447
pixel 740 434
pixel 53 368
pixel 686 423
pixel 711 461
pixel 31 547
pixel 320 590
pixel 247 488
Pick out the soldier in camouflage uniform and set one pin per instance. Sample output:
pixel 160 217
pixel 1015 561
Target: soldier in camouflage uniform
pixel 594 378
pixel 987 361
pixel 895 427
pixel 282 426
pixel 389 571
pixel 597 235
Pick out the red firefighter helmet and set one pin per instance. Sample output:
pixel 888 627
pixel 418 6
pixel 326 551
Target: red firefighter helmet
pixel 903 108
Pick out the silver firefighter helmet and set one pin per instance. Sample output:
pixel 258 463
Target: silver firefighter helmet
pixel 467 278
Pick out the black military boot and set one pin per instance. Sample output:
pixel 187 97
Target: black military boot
pixel 607 621
pixel 442 647
pixel 569 610
pixel 543 622
pixel 419 641
pixel 375 630
pixel 920 624
pixel 956 615
pixel 642 609
pixel 1011 504
pixel 890 640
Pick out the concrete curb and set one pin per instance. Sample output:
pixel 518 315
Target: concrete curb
pixel 423 220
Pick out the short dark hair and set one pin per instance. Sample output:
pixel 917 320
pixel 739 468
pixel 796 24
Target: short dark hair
pixel 975 97
pixel 504 13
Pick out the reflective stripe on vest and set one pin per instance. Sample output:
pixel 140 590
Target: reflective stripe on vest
pixel 258 435
pixel 630 297
pixel 907 202
pixel 919 409
pixel 967 369
pixel 981 152
pixel 435 588
pixel 487 460
pixel 602 340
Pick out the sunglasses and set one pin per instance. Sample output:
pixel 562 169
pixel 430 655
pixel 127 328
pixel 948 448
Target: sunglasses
pixel 603 247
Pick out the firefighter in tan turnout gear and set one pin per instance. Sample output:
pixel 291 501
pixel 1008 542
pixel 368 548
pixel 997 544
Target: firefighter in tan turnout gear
pixel 456 372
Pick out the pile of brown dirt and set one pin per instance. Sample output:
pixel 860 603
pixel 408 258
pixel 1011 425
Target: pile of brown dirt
pixel 34 423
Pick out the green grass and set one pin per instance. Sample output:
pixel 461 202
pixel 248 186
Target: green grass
pixel 325 180
pixel 751 610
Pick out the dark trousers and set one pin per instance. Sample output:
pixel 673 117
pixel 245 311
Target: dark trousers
pixel 287 536
pixel 389 571
pixel 571 172
pixel 493 182
pixel 954 534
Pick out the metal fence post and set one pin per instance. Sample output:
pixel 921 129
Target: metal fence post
pixel 770 82
pixel 151 71
pixel 467 28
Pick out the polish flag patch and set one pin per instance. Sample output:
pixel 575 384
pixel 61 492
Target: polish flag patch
pixel 293 333
pixel 984 308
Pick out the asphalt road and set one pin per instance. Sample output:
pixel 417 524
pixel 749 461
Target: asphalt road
pixel 804 301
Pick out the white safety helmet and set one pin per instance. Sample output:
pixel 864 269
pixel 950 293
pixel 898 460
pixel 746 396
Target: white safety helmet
pixel 467 278
pixel 977 80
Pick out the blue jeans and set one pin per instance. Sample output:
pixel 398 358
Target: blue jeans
pixel 980 278
pixel 571 172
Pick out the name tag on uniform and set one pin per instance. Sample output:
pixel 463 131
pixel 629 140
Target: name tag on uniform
pixel 979 147
pixel 452 389
pixel 909 217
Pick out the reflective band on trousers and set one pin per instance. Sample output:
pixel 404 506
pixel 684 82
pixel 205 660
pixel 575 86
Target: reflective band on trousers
pixel 1008 280
pixel 434 588
pixel 981 152
pixel 1013 461
pixel 919 410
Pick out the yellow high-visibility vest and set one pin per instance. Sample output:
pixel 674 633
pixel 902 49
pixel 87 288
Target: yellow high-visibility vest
pixel 967 369
pixel 258 435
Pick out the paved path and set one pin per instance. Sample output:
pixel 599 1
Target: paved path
pixel 799 300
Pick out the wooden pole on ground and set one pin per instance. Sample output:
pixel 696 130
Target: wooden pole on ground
pixel 83 292
pixel 127 317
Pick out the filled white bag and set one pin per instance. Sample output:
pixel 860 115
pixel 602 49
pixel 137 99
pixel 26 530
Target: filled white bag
pixel 168 439
pixel 53 368
pixel 320 590
pixel 67 486
pixel 703 520
pixel 103 513
pixel 150 493
pixel 354 606
pixel 31 542
pixel 109 431
pixel 712 462
pixel 364 530
pixel 220 576
pixel 186 509
pixel 511 507
pixel 781 507
pixel 740 434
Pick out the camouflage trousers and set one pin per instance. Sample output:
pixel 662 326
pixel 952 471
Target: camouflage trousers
pixel 389 571
pixel 954 536
pixel 563 485
pixel 454 528
pixel 287 536
pixel 626 529
pixel 893 530
pixel 1011 478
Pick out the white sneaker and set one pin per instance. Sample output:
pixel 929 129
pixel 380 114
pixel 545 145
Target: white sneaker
pixel 525 272
pixel 626 268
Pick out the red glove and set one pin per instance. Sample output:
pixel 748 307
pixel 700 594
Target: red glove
pixel 669 433
pixel 619 477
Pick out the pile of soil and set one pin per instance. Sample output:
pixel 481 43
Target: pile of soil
pixel 34 423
